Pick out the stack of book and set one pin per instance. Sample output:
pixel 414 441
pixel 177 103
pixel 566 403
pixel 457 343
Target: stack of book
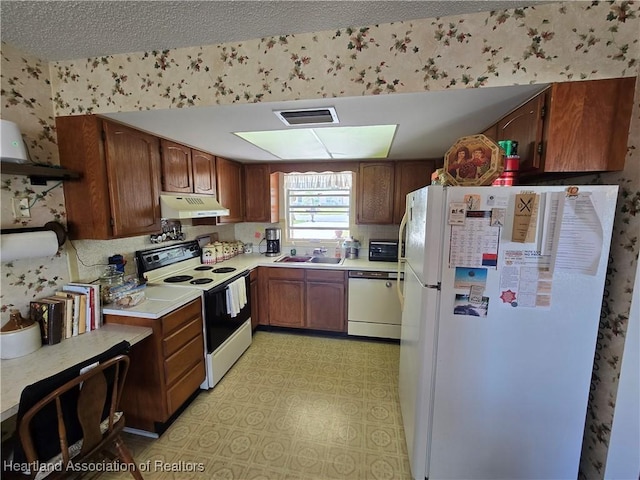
pixel 70 312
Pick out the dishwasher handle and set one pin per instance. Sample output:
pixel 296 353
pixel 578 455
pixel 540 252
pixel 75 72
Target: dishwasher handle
pixel 370 275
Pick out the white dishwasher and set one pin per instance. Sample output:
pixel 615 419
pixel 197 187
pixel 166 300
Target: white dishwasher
pixel 374 307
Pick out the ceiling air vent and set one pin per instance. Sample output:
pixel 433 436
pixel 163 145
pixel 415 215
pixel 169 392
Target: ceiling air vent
pixel 309 116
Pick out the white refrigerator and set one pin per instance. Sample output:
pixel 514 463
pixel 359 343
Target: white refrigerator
pixel 501 299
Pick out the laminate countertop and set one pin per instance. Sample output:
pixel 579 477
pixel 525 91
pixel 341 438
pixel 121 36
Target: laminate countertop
pixel 17 373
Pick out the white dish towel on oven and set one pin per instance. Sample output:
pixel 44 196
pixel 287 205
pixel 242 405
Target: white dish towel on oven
pixel 236 297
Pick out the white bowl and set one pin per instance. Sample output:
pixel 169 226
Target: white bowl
pixel 18 343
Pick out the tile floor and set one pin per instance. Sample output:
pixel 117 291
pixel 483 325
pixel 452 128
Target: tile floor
pixel 293 407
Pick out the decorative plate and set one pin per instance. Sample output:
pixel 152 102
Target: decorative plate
pixel 473 161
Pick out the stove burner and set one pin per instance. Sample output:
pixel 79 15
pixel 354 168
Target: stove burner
pixel 224 270
pixel 199 281
pixel 203 267
pixel 178 278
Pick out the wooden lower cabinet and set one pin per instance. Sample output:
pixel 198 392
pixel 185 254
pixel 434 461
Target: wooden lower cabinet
pixel 254 288
pixel 325 291
pixel 166 368
pixel 285 287
pixel 311 299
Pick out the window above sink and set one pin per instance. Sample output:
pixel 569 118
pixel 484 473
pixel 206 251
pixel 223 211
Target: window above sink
pixel 318 206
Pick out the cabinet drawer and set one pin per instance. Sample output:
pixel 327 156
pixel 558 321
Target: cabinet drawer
pixel 183 359
pixel 325 275
pixel 174 319
pixel 181 336
pixel 183 389
pixel 286 273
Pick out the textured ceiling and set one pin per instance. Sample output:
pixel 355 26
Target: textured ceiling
pixel 68 30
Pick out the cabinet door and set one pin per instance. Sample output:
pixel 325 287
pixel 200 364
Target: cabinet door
pixel 133 168
pixel 409 176
pixel 375 193
pixel 325 300
pixel 204 172
pixel 87 199
pixel 525 125
pixel 286 303
pixel 491 132
pixel 261 194
pixel 587 125
pixel 229 182
pixel 284 296
pixel 176 167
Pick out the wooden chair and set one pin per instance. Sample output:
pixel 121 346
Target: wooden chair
pixel 83 415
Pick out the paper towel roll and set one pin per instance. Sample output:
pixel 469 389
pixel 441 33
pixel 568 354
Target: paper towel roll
pixel 14 246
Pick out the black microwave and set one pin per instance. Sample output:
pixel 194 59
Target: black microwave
pixel 383 250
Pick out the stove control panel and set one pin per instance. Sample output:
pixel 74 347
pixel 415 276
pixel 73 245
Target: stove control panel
pixel 147 260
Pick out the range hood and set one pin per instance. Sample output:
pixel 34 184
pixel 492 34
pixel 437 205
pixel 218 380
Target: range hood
pixel 174 205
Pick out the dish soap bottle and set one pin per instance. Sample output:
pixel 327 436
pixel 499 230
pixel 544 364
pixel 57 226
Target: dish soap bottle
pixel 338 251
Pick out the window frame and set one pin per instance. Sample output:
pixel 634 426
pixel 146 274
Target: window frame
pixel 317 241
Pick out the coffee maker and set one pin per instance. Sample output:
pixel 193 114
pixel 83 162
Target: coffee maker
pixel 273 241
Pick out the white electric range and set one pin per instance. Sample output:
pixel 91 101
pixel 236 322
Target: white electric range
pixel 227 332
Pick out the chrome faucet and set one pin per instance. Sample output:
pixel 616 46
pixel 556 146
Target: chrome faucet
pixel 320 251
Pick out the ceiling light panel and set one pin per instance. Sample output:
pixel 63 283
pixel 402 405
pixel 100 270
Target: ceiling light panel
pixel 371 141
pixel 299 144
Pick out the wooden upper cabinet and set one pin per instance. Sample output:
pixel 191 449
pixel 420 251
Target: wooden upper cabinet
pixel 119 192
pixel 185 170
pixel 230 191
pixel 587 125
pixel 525 126
pixel 375 192
pixel 572 127
pixel 177 172
pixel 204 172
pixel 491 132
pixel 261 201
pixel 382 188
pixel 409 176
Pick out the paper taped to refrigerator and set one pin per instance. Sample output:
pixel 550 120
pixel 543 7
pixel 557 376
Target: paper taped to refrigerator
pixel 474 244
pixel 579 238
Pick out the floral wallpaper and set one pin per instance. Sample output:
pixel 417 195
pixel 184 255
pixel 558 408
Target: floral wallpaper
pixel 548 43
pixel 26 100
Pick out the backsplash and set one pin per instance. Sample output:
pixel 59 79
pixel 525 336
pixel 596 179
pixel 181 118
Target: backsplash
pixel 551 42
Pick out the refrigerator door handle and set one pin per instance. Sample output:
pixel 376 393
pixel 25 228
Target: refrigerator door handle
pixel 401 259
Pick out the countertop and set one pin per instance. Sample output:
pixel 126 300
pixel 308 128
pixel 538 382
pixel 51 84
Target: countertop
pixel 247 261
pixel 159 302
pixel 48 360
pixel 162 300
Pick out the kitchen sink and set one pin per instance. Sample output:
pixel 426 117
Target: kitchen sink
pixel 307 259
pixel 331 260
pixel 288 259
